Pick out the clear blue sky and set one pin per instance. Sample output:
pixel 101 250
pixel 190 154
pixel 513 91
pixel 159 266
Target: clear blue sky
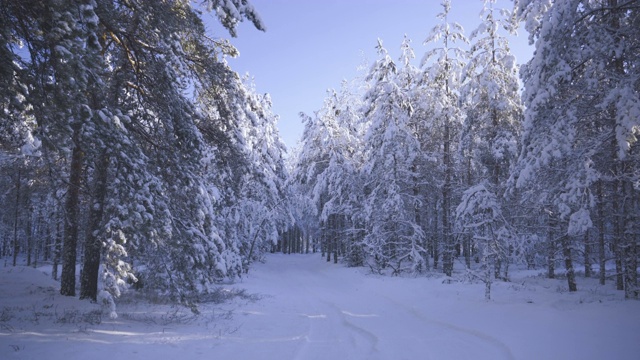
pixel 312 45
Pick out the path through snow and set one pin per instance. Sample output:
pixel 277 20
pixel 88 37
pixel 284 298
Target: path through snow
pixel 311 309
pixel 340 314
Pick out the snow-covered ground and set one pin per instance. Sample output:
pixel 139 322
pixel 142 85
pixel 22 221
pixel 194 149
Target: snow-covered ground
pixel 301 307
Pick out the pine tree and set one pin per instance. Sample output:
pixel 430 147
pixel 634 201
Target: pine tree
pixel 326 173
pixel 56 83
pixel 442 68
pixel 391 150
pixel 581 124
pixel 110 86
pixel 490 137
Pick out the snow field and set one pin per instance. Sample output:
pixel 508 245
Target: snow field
pixel 307 308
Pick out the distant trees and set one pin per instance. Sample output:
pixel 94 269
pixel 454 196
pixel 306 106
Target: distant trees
pixel 326 174
pixel 127 137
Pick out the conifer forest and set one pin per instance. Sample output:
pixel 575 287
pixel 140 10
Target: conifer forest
pixel 134 158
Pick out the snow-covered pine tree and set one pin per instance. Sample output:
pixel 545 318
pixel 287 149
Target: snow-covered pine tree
pixel 480 212
pixel 442 70
pixel 491 97
pixel 260 211
pixel 301 205
pixel 490 133
pixel 110 85
pixel 328 186
pixel 342 177
pixel 350 151
pixel 310 162
pixel 325 170
pixel 56 82
pixel 393 237
pixel 581 125
pixel 411 77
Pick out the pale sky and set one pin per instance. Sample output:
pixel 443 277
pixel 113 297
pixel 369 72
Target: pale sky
pixel 312 45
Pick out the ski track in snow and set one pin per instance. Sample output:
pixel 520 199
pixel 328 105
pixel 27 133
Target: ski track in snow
pixel 329 334
pixel 445 326
pixel 370 337
pixel 347 318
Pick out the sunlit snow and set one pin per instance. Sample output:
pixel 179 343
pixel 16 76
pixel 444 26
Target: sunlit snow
pixel 301 307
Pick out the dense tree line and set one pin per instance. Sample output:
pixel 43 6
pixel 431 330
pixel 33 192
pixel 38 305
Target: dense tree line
pixel 130 146
pixel 417 168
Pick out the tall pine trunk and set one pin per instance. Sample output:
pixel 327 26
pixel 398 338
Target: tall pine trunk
pixel 631 219
pixel 336 243
pixel 15 220
pixel 587 255
pixel 57 247
pixel 568 263
pixel 618 69
pixel 29 234
pixel 447 239
pixel 435 243
pixel 551 247
pixel 602 255
pixel 467 242
pixel 618 234
pixel 93 244
pixel 69 254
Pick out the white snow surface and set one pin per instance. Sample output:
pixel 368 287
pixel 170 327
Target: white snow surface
pixel 306 308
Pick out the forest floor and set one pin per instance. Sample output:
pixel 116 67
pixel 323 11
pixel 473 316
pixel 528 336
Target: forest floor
pixel 301 307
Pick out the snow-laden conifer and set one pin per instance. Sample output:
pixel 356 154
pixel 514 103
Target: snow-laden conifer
pixel 579 157
pixel 394 239
pixel 442 67
pixel 491 130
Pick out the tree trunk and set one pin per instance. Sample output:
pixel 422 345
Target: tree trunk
pixel 617 67
pixel 551 249
pixel 305 236
pixel 29 235
pixel 435 237
pixel 322 233
pixel 5 242
pixel 587 255
pixel 337 242
pixel 15 220
pixel 296 240
pixel 631 290
pixel 46 254
pixel 93 244
pixel 328 237
pixel 568 263
pixel 488 277
pixel 468 238
pixel 40 237
pixel 57 246
pixel 69 255
pixel 602 255
pixel 447 239
pixel 505 274
pixel 618 235
pixel 466 250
